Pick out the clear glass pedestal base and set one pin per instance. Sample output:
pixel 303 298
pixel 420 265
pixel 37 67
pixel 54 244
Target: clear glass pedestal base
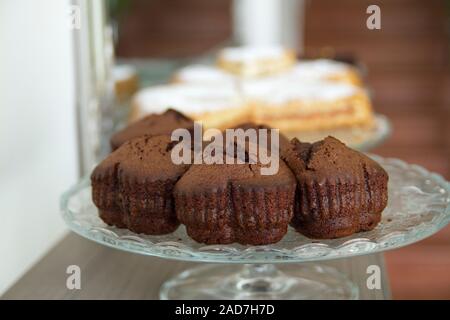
pixel 259 281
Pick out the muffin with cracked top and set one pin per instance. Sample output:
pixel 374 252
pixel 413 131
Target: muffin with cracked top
pixel 226 203
pixel 340 191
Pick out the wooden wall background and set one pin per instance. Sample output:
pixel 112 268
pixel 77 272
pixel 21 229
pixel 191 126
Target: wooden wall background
pixel 408 72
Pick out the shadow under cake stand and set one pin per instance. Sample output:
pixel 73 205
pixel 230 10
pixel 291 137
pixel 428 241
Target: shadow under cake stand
pixel 418 206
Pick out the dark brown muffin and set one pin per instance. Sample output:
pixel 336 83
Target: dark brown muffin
pixel 225 203
pixel 283 141
pixel 133 186
pixel 153 125
pixel 340 191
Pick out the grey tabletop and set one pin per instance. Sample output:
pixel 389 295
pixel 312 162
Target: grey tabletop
pixel 112 274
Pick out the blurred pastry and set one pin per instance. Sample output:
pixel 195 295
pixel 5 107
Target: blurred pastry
pixel 215 106
pixel 264 85
pixel 250 61
pixel 324 69
pixel 203 74
pixel 308 105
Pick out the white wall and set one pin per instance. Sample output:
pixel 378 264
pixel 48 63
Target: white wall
pixel 37 130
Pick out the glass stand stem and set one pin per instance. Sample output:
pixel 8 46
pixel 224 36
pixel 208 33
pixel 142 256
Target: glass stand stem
pixel 259 281
pixel 255 278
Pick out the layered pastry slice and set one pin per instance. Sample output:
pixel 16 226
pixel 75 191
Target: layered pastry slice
pixel 251 61
pixel 212 105
pixel 324 69
pixel 204 74
pixel 308 105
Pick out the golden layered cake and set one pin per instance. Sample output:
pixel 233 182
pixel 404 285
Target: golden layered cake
pixel 323 69
pixel 250 61
pixel 204 74
pixel 264 85
pixel 308 105
pixel 213 105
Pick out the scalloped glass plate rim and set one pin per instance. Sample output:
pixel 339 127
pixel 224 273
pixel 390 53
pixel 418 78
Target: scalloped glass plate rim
pixel 257 254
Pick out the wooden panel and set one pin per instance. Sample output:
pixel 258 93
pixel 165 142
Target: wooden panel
pixel 370 48
pixel 174 28
pixel 418 130
pixel 420 272
pixel 406 89
pixel 411 31
pixel 398 17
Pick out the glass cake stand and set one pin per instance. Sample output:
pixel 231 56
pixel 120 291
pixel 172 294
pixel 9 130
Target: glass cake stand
pixel 418 206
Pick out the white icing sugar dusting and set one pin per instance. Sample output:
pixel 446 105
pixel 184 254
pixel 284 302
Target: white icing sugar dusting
pixel 203 73
pixel 188 98
pixel 320 68
pixel 279 90
pixel 252 53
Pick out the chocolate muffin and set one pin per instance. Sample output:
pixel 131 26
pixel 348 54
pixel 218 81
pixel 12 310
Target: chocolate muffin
pixel 340 191
pixel 132 187
pixel 283 142
pixel 226 203
pixel 152 125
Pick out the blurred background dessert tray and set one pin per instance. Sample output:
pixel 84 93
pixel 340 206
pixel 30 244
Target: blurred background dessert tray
pixel 359 138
